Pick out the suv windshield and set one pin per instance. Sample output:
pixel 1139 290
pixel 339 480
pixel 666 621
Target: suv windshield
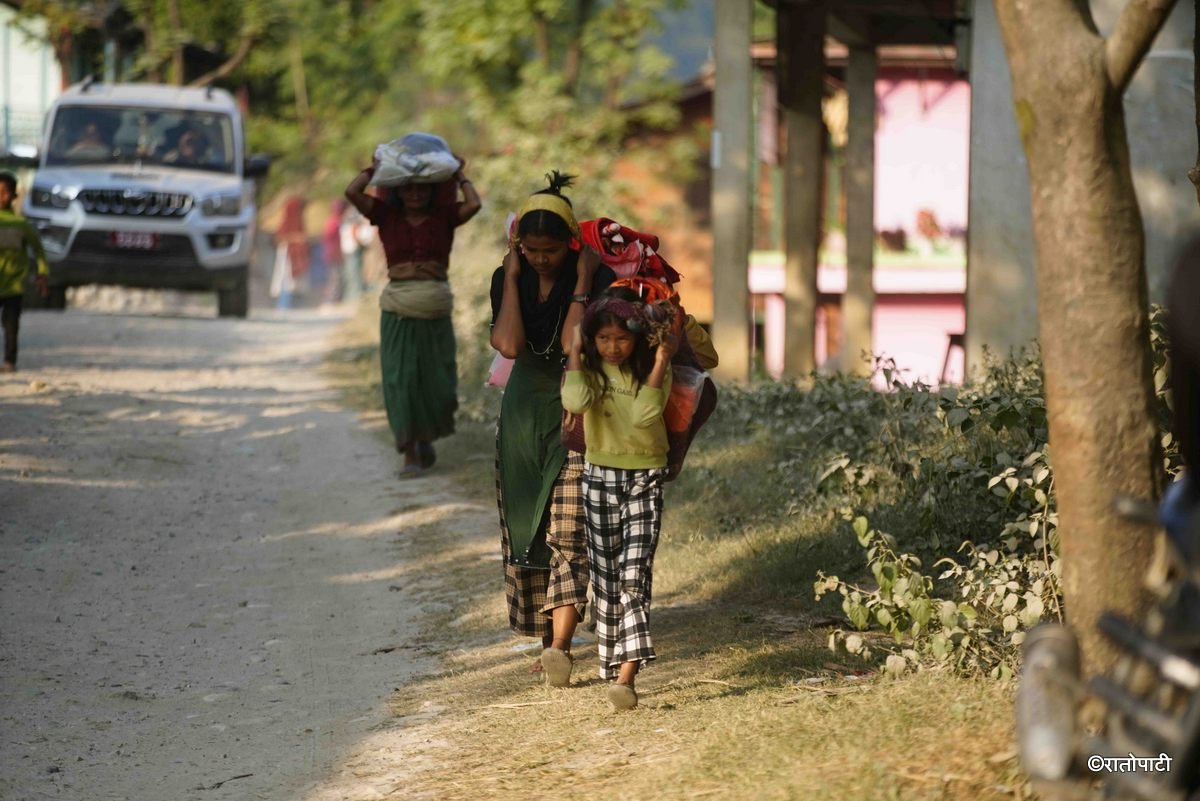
pixel 90 135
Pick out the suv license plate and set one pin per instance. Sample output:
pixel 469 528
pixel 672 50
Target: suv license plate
pixel 134 240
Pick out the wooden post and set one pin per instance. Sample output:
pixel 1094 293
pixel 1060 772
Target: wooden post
pixel 733 116
pixel 801 60
pixel 858 304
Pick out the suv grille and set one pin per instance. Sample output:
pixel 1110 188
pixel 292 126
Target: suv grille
pixel 135 203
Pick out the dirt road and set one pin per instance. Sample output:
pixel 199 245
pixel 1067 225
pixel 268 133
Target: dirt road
pixel 199 551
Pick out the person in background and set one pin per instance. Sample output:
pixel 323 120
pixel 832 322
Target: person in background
pixel 331 251
pixel 356 234
pixel 416 223
pixel 17 238
pixel 90 143
pixel 291 253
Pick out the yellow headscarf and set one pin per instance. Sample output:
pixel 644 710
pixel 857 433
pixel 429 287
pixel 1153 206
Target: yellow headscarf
pixel 551 203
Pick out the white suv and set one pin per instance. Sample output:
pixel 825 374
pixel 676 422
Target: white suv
pixel 148 186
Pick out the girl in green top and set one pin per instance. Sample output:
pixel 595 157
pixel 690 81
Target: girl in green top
pixel 618 377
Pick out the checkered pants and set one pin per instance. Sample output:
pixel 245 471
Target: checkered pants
pixel 624 514
pixel 533 593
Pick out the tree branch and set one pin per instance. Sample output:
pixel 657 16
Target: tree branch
pixel 1140 22
pixel 243 49
pixel 541 38
pixel 176 41
pixel 573 62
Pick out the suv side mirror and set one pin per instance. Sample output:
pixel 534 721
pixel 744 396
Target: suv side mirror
pixel 257 166
pixel 19 156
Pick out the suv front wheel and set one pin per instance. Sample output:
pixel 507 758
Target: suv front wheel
pixel 234 300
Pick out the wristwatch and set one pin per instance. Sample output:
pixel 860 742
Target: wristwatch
pixel 584 299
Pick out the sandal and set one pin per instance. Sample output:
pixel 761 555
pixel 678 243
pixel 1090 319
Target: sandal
pixel 557 665
pixel 622 697
pixel 411 471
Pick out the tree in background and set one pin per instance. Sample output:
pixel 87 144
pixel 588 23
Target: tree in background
pixel 1068 84
pixel 518 86
pixel 544 84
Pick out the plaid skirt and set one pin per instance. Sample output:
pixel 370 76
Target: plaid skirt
pixel 534 593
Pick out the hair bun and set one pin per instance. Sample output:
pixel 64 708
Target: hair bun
pixel 558 181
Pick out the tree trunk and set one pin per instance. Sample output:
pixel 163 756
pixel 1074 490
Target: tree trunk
pixel 800 32
pixel 541 38
pixel 1092 294
pixel 300 87
pixel 1194 172
pixel 573 61
pixel 176 42
pixel 858 302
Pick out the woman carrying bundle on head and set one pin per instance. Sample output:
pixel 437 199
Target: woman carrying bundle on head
pixel 416 223
pixel 538 297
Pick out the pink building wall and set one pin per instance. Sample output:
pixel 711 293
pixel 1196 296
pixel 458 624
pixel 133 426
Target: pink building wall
pixel 921 162
pixel 916 312
pixel 921 152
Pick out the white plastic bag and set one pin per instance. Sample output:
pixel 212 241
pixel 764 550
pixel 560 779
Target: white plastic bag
pixel 419 158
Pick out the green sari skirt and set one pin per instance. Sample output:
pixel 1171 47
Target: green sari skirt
pixel 420 377
pixel 530 455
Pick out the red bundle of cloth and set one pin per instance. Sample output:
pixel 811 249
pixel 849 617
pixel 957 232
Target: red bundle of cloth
pixel 626 251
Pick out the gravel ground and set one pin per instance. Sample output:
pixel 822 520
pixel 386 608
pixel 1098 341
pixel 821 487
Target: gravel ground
pixel 201 565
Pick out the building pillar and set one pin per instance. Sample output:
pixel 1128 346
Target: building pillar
pixel 801 68
pixel 733 116
pixel 858 304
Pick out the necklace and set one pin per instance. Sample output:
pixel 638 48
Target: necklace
pixel 553 337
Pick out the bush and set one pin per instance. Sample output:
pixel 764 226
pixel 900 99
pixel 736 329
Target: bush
pixel 962 479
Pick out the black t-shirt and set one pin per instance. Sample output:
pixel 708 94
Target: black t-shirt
pixel 543 321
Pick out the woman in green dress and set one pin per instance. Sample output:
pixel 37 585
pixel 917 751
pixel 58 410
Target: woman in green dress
pixel 416 223
pixel 538 296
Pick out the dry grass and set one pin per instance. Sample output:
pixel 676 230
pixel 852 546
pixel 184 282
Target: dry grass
pixel 745 701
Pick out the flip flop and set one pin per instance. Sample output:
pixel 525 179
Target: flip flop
pixel 622 697
pixel 411 471
pixel 557 664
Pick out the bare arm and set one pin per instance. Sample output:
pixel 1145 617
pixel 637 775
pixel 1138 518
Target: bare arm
pixel 356 192
pixel 508 334
pixel 662 360
pixel 574 359
pixel 589 260
pixel 577 396
pixel 470 205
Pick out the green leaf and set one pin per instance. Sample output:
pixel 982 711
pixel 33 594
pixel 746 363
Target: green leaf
pixel 1031 615
pixel 860 529
pixel 921 610
pixel 884 617
pixel 957 416
pixel 859 616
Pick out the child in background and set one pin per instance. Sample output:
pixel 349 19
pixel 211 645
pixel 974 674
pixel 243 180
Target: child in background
pixel 17 238
pixel 618 377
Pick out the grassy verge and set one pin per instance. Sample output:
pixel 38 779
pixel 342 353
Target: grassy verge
pixel 745 702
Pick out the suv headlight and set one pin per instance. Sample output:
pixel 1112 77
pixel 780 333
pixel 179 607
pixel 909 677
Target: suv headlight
pixel 222 206
pixel 55 197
